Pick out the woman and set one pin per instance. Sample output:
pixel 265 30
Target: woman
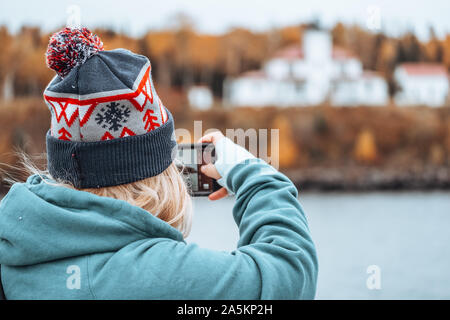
pixel 108 219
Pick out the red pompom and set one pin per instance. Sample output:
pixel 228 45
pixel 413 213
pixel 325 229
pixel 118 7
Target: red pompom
pixel 71 47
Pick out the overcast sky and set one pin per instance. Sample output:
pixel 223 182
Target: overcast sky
pixel 137 16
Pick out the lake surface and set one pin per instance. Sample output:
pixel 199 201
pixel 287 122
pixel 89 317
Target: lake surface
pixel 405 234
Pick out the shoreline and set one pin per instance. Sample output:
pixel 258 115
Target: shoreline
pixel 369 179
pixel 362 179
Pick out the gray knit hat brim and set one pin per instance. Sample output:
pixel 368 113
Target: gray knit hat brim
pixel 112 162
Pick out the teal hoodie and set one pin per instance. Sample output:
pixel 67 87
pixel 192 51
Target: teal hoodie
pixel 59 243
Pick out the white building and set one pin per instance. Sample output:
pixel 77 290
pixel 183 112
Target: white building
pixel 310 74
pixel 421 84
pixel 200 97
pixel 369 89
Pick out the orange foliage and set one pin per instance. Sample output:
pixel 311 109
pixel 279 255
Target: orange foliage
pixel 287 147
pixel 437 154
pixel 365 148
pixel 160 43
pixel 182 57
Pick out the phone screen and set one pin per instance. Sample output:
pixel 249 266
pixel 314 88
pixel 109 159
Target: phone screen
pixel 193 156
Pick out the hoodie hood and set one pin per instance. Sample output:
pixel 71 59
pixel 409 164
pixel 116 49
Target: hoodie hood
pixel 40 222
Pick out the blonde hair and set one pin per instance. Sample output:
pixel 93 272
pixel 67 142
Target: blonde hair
pixel 165 196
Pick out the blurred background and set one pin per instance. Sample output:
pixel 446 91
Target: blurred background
pixel 359 91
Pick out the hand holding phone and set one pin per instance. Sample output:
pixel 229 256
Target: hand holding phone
pixel 194 156
pixel 209 169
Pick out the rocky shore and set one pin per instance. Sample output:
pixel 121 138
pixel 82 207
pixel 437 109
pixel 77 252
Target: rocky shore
pixel 365 179
pixel 362 179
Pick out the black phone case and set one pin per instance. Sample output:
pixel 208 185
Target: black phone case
pixel 216 186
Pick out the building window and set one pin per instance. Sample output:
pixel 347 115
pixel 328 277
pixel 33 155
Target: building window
pixel 299 86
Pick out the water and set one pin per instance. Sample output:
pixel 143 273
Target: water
pixel 407 235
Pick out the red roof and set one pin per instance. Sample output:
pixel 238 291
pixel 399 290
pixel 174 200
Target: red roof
pixel 296 52
pixel 420 69
pixel 290 52
pixel 342 54
pixel 253 74
pixel 367 74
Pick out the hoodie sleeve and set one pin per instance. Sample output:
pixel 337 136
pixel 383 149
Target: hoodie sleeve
pixel 274 235
pixel 275 257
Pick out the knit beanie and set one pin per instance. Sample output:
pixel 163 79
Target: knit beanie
pixel 108 125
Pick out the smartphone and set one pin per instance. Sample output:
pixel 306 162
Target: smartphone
pixel 193 156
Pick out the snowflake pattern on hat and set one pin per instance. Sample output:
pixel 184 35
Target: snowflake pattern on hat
pixel 113 116
pixel 103 117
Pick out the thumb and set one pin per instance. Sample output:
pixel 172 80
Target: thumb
pixel 210 170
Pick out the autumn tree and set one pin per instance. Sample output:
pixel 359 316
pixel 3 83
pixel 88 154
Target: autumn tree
pixel 409 48
pixel 340 35
pixel 289 150
pixel 446 51
pixel 6 79
pixel 365 149
pixel 433 48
